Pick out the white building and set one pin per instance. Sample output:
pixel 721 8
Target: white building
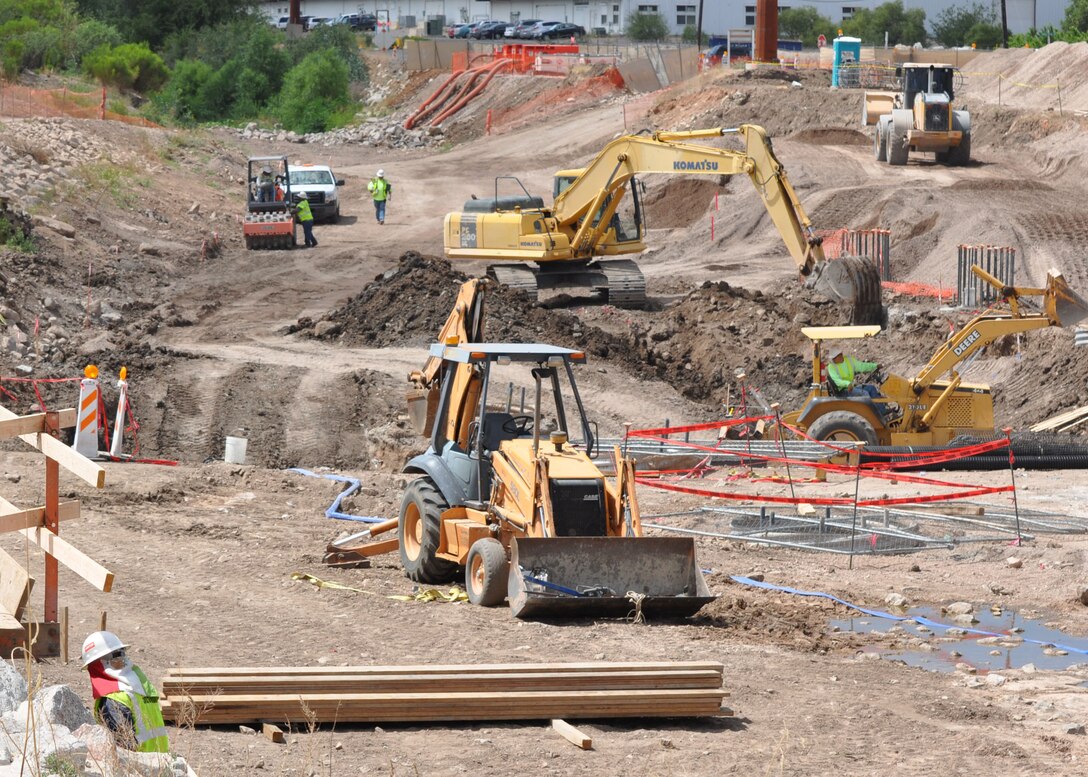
pixel 718 15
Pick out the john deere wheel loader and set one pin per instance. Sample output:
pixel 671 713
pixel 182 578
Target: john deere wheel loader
pixel 935 405
pixel 597 213
pixel 524 511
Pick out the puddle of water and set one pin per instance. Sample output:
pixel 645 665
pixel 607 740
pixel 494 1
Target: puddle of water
pixel 1010 656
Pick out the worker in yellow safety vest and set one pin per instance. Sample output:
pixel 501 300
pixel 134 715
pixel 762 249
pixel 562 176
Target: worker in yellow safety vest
pixel 841 373
pixel 380 190
pixel 125 701
pixel 306 219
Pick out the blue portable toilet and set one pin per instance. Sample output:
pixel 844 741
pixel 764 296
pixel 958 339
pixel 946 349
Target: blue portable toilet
pixel 846 50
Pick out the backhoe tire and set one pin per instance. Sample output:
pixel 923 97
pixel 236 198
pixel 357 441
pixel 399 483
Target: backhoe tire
pixel 896 134
pixel 487 573
pixel 842 426
pixel 420 530
pixel 880 142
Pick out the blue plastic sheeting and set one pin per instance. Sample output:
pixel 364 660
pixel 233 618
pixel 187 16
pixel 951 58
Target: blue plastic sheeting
pixel 333 510
pixel 890 616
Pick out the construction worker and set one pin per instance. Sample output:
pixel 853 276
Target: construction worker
pixel 266 185
pixel 841 371
pixel 125 701
pixel 380 189
pixel 306 219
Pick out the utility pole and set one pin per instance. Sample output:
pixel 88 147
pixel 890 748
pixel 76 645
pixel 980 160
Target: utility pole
pixel 294 15
pixel 1004 27
pixel 699 26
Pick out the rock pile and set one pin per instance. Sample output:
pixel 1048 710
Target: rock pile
pixel 54 730
pixel 373 132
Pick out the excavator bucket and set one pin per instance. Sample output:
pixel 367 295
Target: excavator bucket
pixel 562 577
pixel 1069 307
pixel 852 280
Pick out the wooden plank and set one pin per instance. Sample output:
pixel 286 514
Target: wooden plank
pixel 572 735
pixel 273 732
pixel 15 585
pixel 35 422
pixel 35 516
pixel 78 465
pixel 72 557
pixel 429 669
pixel 601 681
pixel 51 521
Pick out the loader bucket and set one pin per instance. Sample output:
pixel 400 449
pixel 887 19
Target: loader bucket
pixel 1069 308
pixel 571 577
pixel 853 280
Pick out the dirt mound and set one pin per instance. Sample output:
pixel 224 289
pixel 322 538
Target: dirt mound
pixel 832 136
pixel 1029 78
pixel 680 202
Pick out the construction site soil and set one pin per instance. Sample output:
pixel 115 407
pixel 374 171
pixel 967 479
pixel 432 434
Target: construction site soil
pixel 139 262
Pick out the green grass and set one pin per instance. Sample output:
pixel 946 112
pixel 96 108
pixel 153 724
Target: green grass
pixel 117 182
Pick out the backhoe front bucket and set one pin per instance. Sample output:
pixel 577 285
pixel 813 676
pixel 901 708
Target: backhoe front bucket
pixel 570 577
pixel 852 280
pixel 1069 308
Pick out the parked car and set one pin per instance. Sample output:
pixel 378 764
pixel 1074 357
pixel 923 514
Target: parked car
pixel 465 30
pixel 320 21
pixel 320 185
pixel 359 21
pixel 542 30
pixel 281 23
pixel 491 30
pixel 306 22
pixel 521 29
pixel 564 30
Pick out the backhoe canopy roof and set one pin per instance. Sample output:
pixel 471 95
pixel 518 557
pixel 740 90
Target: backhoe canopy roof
pixel 474 353
pixel 839 332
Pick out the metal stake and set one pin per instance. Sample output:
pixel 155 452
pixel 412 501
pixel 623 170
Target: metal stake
pixel 1012 474
pixel 854 522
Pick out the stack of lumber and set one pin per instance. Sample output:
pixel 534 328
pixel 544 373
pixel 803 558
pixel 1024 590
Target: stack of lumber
pixel 374 694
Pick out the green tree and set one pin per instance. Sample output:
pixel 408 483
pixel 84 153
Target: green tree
pixel 647 26
pixel 314 92
pixel 183 95
pixel 805 24
pixel 952 24
pixel 901 26
pixel 1076 16
pixel 89 35
pixel 984 35
pixel 337 38
pixel 155 20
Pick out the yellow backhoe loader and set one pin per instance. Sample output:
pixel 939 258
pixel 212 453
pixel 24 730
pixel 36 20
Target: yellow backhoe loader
pixel 929 409
pixel 524 511
pixel 597 213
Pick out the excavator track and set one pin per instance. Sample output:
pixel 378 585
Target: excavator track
pixel 621 280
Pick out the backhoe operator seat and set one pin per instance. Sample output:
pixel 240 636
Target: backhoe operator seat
pixel 493 431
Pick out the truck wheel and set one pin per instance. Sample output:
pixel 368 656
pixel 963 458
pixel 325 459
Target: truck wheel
pixel 420 529
pixel 880 142
pixel 486 573
pixel 843 426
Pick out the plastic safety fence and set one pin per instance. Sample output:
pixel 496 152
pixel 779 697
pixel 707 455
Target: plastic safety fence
pixel 998 261
pixel 817 502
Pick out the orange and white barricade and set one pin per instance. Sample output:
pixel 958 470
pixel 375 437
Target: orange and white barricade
pixel 90 395
pixel 119 421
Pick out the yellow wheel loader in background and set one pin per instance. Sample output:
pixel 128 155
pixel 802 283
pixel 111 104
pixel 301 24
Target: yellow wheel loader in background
pixel 921 116
pixel 929 409
pixel 522 509
pixel 597 213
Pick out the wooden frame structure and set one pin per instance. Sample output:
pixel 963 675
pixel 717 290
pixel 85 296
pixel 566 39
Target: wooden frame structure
pixel 40 526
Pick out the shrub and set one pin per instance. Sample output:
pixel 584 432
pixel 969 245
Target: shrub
pixel 340 40
pixel 314 91
pixel 89 35
pixel 647 26
pixel 129 67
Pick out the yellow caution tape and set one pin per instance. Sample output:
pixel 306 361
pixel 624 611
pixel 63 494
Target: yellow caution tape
pixel 455 594
pixel 319 583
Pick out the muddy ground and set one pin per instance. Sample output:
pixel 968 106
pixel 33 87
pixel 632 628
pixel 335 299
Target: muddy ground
pixel 305 353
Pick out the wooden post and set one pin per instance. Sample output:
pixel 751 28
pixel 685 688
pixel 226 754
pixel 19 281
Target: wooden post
pixel 52 524
pixel 102 621
pixel 64 634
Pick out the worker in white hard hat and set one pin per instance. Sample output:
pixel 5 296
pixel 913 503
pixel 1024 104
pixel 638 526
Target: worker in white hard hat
pixel 125 701
pixel 305 217
pixel 266 185
pixel 380 189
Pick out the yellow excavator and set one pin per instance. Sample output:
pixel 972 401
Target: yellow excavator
pixel 597 213
pixel 936 405
pixel 513 497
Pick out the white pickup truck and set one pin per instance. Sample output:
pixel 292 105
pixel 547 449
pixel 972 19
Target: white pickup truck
pixel 320 185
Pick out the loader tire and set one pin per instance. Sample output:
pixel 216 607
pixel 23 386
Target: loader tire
pixel 487 573
pixel 842 426
pixel 961 154
pixel 880 142
pixel 420 528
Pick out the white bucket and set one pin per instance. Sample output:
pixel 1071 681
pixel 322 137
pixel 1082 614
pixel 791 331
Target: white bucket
pixel 235 452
